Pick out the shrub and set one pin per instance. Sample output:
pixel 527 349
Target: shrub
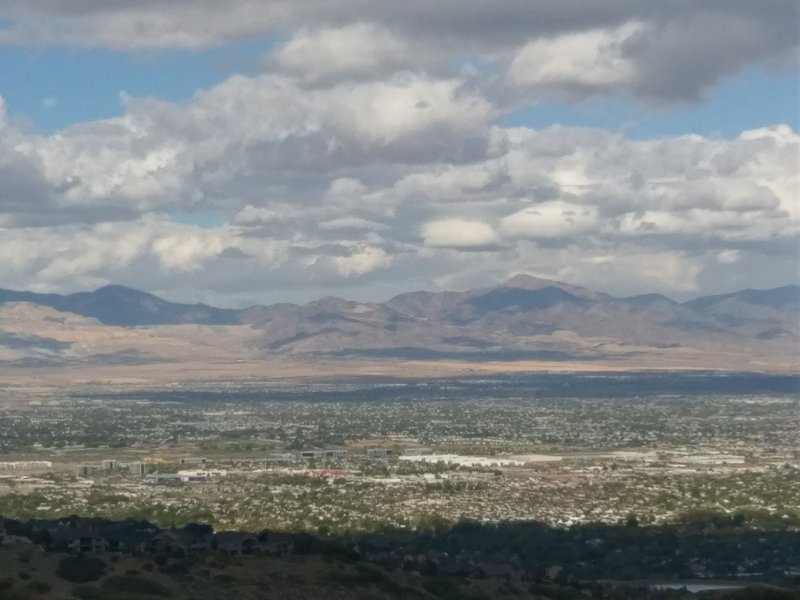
pixel 38 587
pixel 135 584
pixel 453 589
pixel 224 579
pixel 80 569
pixel 88 592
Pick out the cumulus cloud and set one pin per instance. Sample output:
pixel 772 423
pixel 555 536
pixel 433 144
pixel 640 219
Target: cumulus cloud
pixel 48 258
pixel 400 110
pixel 728 257
pixel 148 251
pixel 346 187
pixel 638 272
pixel 165 156
pixel 361 261
pixel 458 233
pixel 587 59
pixel 366 154
pixel 357 51
pixel 550 220
pixel 352 223
pixel 407 117
pixel 664 52
pixel 188 250
pixel 455 182
pixel 368 212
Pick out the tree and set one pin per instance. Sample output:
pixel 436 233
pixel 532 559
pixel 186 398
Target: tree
pixel 80 569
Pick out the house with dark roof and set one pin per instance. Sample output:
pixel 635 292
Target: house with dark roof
pixel 79 541
pixel 237 543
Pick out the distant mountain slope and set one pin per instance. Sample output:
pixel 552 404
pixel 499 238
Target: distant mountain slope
pixel 523 318
pixel 127 307
pixel 782 298
pixel 765 314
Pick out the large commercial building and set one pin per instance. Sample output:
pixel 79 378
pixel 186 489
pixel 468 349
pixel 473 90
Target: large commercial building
pixel 85 470
pixel 380 453
pixel 332 454
pixel 138 469
pixel 279 459
pixel 26 465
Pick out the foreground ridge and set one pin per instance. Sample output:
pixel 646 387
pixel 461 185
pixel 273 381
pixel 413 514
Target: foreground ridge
pixel 100 558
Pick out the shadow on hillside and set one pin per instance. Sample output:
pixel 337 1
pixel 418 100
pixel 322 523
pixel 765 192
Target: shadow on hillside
pixel 591 558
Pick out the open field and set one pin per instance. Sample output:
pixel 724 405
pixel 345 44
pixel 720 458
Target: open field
pixel 299 369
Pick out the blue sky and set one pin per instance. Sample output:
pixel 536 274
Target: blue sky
pixel 756 97
pixel 55 87
pixel 362 149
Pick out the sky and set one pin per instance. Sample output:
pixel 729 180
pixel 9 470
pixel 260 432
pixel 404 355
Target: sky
pixel 283 150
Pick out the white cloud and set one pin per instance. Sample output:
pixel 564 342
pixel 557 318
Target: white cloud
pixel 366 183
pixel 454 182
pixel 773 164
pixel 111 162
pixel 688 46
pixel 405 107
pixel 729 257
pixel 670 271
pixel 352 223
pixel 347 187
pixel 356 51
pixel 361 261
pixel 724 225
pixel 50 258
pixel 251 215
pixel 188 250
pixel 458 233
pixel 550 220
pixel 593 59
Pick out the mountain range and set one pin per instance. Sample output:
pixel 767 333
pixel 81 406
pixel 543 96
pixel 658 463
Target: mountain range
pixel 524 318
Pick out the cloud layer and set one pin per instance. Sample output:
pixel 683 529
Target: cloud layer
pixel 369 157
pixel 666 51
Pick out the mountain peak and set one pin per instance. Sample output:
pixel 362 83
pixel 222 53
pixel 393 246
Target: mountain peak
pixel 525 281
pixel 120 290
pixel 531 283
pixel 332 303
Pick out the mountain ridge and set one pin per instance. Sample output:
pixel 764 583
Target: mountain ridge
pixel 83 302
pixel 524 318
pixel 142 307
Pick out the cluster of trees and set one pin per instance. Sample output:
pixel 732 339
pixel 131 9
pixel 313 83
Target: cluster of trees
pixel 557 562
pixel 703 545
